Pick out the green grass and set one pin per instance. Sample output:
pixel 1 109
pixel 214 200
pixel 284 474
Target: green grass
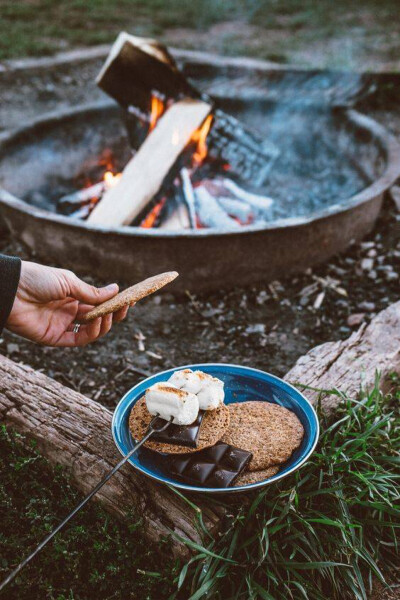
pixel 31 27
pixel 324 33
pixel 321 534
pixel 94 557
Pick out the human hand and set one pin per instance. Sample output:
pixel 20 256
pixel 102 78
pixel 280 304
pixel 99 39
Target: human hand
pixel 49 300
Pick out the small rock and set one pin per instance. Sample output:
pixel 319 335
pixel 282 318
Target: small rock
pixel 391 275
pixel 210 312
pixel 367 245
pixel 367 306
pixel 355 319
pixel 262 297
pixel 372 253
pixel 255 328
pixel 367 264
pixel 11 348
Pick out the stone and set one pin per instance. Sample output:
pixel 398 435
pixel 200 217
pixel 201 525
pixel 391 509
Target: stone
pixel 355 319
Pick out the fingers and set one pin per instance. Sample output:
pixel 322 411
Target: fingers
pixel 120 314
pixel 90 332
pixel 106 324
pixel 89 294
pixel 86 335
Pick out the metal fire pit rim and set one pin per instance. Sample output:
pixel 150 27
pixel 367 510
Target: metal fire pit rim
pixel 388 177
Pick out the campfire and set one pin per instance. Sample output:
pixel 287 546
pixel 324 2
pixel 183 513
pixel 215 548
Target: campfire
pixel 195 164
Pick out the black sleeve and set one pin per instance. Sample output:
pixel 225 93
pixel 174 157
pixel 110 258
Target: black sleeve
pixel 10 271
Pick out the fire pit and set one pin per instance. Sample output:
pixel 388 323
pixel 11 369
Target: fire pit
pixel 327 185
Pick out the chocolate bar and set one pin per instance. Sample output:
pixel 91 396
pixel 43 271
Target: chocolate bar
pixel 214 467
pixel 182 435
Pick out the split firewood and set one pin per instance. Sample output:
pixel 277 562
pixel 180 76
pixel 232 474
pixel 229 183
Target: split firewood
pixel 138 67
pixel 137 64
pixel 145 173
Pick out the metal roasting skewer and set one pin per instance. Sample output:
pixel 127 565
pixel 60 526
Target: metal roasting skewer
pixel 151 429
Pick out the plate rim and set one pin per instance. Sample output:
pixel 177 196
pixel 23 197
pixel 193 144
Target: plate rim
pixel 229 490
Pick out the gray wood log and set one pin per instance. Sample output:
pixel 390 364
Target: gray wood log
pixel 351 364
pixel 74 431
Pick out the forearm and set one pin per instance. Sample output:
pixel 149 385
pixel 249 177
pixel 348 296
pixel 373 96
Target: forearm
pixel 10 271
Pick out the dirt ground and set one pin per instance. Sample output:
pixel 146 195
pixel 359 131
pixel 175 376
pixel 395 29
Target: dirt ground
pixel 267 326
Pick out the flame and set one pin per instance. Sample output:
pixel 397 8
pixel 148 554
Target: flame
pixel 110 179
pixel 200 136
pixel 153 214
pixel 157 109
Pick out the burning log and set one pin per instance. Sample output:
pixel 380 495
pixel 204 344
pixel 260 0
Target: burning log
pixel 261 203
pixel 144 175
pixel 71 202
pixel 236 208
pixel 188 194
pixel 177 219
pixel 136 67
pixel 210 213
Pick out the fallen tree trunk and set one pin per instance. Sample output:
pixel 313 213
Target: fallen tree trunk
pixel 353 363
pixel 74 431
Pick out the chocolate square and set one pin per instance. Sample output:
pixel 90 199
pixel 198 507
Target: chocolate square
pixel 181 435
pixel 214 467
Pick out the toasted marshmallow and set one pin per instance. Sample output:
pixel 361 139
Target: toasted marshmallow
pixel 212 392
pixel 209 390
pixel 187 380
pixel 166 400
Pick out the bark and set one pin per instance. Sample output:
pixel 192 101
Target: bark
pixel 74 431
pixel 352 364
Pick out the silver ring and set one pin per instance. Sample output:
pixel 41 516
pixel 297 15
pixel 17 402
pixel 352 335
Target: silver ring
pixel 77 326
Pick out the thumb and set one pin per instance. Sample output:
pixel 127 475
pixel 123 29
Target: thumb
pixel 90 294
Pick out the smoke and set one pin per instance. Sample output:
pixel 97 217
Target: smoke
pixel 304 115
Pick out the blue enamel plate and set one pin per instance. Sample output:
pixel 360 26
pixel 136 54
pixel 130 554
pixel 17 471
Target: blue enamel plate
pixel 241 384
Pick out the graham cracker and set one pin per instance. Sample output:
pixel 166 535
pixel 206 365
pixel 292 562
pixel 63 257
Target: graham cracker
pixel 249 477
pixel 269 431
pixel 130 296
